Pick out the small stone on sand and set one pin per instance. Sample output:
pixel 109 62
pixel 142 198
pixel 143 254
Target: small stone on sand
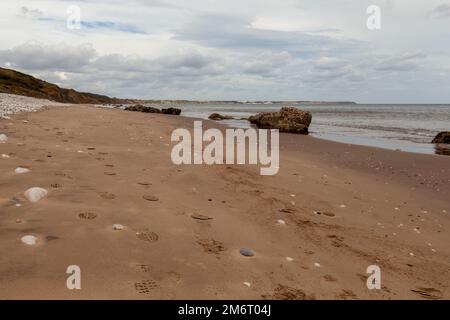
pixel 281 222
pixel 29 240
pixel 118 226
pixel 5 156
pixel 246 252
pixel 316 264
pixel 35 194
pixel 20 170
pixel 247 284
pixel 3 138
pixel 289 259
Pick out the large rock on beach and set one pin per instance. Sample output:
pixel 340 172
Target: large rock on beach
pixel 173 111
pixel 218 117
pixel 142 108
pixel 288 119
pixel 442 137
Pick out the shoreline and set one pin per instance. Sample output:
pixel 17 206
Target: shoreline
pixel 345 207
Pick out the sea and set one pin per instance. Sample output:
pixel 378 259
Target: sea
pixel 402 127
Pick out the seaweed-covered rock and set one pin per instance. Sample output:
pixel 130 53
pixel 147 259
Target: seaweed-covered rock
pixel 142 108
pixel 173 111
pixel 288 119
pixel 442 137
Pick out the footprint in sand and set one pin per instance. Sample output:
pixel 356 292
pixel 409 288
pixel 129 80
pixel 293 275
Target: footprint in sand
pixel 150 198
pixel 211 246
pixel 148 236
pixel 347 294
pixel 145 286
pixel 143 268
pixel 428 293
pixel 87 215
pixel 329 278
pixel 282 292
pixel 108 196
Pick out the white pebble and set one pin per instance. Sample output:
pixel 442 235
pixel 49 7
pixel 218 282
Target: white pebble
pixel 18 205
pixel 282 222
pixel 3 138
pixel 118 226
pixel 35 194
pixel 5 156
pixel 20 170
pixel 29 240
pixel 317 264
pixel 289 259
pixel 247 284
pixel 342 206
pixel 411 254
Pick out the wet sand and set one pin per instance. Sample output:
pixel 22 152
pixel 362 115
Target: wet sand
pixel 345 207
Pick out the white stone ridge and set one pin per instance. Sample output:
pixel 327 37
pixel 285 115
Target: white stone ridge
pixel 11 104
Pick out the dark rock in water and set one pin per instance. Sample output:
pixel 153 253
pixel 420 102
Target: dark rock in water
pixel 442 137
pixel 246 252
pixel 218 117
pixel 288 119
pixel 141 108
pixel 174 111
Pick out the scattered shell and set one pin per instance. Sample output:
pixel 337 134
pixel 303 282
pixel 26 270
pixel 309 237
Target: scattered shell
pixel 29 240
pixel 18 205
pixel 396 208
pixel 246 252
pixel 35 194
pixel 342 206
pixel 289 259
pixel 3 138
pixel 411 254
pixel 316 264
pixel 247 284
pixel 292 195
pixel 282 222
pixel 20 170
pixel 5 156
pixel 118 226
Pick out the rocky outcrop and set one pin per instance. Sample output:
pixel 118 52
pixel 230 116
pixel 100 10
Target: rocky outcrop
pixel 173 111
pixel 218 117
pixel 145 109
pixel 14 82
pixel 288 119
pixel 141 108
pixel 442 137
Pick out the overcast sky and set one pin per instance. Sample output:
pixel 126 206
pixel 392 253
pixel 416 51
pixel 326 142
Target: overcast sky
pixel 235 50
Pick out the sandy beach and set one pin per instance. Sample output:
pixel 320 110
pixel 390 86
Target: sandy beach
pixel 344 208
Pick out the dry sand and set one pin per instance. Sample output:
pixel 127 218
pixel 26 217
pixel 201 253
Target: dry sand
pixel 378 207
